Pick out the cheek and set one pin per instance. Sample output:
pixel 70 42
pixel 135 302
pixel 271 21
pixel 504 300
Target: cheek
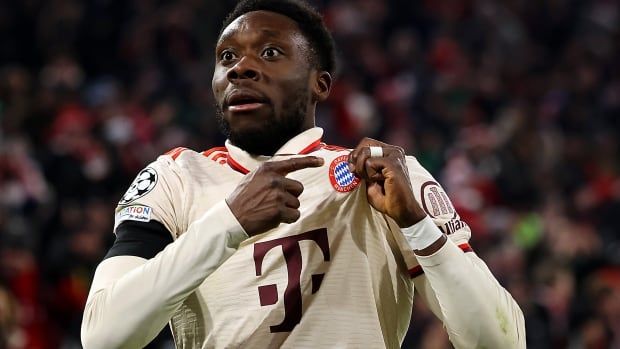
pixel 292 98
pixel 218 83
pixel 292 88
pixel 215 88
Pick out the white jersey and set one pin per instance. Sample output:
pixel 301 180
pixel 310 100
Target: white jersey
pixel 342 276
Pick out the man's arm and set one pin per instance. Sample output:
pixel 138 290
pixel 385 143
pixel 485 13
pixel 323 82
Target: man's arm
pixel 133 297
pixel 476 311
pixel 461 291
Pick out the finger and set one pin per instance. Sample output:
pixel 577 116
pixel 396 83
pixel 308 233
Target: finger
pixel 376 196
pixel 374 169
pixel 381 169
pixel 359 165
pixel 364 143
pixel 292 186
pixel 363 148
pixel 291 201
pixel 290 165
pixel 289 215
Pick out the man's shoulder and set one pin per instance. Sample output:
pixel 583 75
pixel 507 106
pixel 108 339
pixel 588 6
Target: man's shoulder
pixel 333 148
pixel 415 166
pixel 186 164
pixel 329 150
pixel 183 156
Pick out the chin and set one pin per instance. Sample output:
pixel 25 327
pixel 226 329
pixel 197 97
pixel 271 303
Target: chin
pixel 249 124
pixel 258 139
pixel 260 133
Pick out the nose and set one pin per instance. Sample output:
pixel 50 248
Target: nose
pixel 243 69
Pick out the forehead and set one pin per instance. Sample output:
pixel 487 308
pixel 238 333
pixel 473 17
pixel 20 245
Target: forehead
pixel 263 24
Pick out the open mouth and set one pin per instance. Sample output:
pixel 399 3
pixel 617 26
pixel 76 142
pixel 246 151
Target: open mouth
pixel 245 102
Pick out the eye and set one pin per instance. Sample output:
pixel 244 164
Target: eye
pixel 271 52
pixel 227 56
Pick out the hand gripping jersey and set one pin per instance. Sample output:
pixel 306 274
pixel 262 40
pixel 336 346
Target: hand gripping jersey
pixel 342 276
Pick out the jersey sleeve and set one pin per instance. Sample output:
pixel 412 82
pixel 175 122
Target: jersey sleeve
pixel 156 194
pixel 454 282
pixel 437 205
pixel 459 287
pixel 131 298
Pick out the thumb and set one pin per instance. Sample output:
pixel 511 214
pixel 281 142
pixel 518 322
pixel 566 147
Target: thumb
pixel 376 196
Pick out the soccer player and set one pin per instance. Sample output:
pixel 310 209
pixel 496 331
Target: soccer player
pixel 279 240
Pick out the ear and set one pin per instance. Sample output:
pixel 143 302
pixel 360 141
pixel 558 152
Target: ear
pixel 321 85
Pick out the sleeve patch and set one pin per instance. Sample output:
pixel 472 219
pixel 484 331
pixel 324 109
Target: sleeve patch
pixel 453 225
pixel 137 213
pixel 435 201
pixel 142 185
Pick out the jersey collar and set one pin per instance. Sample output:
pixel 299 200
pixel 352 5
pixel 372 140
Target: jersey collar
pixel 303 143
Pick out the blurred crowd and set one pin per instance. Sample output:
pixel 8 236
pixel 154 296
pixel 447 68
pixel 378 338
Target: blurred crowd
pixel 513 105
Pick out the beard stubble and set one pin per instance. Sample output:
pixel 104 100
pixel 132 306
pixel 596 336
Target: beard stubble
pixel 270 135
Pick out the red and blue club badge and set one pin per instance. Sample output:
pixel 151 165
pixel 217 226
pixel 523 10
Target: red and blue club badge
pixel 339 175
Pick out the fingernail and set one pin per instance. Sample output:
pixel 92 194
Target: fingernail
pixel 320 161
pixel 351 167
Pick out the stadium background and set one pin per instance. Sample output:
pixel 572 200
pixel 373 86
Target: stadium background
pixel 513 105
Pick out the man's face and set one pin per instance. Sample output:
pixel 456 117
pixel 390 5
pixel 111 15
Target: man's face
pixel 262 82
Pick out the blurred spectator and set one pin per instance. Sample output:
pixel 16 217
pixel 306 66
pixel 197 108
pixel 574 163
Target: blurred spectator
pixel 513 105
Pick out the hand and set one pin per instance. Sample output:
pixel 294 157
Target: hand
pixel 265 198
pixel 387 181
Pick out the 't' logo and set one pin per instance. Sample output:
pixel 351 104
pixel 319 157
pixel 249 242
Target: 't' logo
pixel 268 294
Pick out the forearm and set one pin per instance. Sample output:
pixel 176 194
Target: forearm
pixel 476 311
pixel 132 299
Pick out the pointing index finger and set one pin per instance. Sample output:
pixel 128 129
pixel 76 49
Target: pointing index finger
pixel 291 165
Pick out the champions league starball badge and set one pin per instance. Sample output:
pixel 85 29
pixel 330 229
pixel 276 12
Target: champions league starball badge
pixel 340 177
pixel 144 183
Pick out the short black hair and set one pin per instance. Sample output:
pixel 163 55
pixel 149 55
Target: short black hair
pixel 308 19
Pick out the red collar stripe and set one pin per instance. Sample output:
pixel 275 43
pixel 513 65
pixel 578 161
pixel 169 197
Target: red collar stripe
pixel 213 150
pixel 174 153
pixel 219 156
pixel 236 166
pixel 316 145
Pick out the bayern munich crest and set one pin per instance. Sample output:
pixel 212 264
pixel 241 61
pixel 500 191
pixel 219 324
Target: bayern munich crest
pixel 340 177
